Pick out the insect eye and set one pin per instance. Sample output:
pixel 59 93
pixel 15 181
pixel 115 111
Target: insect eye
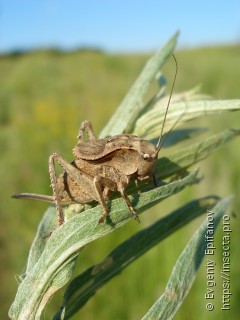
pixel 146 156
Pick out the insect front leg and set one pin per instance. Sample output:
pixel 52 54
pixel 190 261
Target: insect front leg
pixel 102 193
pixel 86 127
pixel 121 189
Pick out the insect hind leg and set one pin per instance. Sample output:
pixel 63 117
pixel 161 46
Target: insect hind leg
pixel 81 180
pixel 56 195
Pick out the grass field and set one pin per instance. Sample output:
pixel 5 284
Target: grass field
pixel 44 96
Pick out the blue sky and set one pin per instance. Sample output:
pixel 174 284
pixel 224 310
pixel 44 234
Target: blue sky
pixel 113 25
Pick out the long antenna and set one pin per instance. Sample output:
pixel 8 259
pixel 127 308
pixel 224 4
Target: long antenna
pixel 159 143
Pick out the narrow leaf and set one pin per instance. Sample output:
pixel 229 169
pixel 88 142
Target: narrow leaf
pixel 179 135
pixel 185 269
pixel 38 245
pixel 148 126
pixel 131 106
pixel 80 289
pixel 186 157
pixel 55 265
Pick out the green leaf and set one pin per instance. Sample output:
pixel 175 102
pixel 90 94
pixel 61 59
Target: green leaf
pixel 179 135
pixel 185 269
pixel 148 125
pixel 83 287
pixel 47 224
pixel 188 156
pixel 56 263
pixel 128 111
pixel 38 245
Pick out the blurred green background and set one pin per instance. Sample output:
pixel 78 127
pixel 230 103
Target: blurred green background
pixel 44 97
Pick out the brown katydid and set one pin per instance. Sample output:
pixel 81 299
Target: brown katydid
pixel 101 167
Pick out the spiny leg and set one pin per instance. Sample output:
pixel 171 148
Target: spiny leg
pixel 86 127
pixel 100 194
pixel 128 202
pixel 56 196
